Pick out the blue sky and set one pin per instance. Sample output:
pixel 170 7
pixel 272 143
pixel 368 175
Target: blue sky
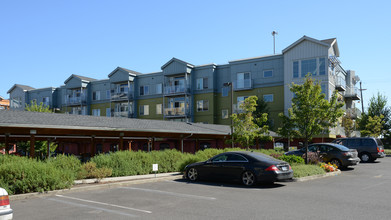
pixel 43 42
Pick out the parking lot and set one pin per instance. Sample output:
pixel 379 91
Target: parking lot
pixel 359 193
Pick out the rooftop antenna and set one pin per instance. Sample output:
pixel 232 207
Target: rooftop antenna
pixel 274 41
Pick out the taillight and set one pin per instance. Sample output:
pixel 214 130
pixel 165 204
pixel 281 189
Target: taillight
pixel 272 168
pixel 378 150
pixel 4 200
pixel 347 153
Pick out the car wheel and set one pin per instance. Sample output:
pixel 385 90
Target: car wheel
pixel 192 174
pixel 336 162
pixel 365 157
pixel 248 178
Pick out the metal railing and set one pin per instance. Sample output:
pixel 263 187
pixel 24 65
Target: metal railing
pixel 180 111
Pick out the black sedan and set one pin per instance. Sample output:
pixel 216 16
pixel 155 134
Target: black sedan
pixel 245 166
pixel 333 153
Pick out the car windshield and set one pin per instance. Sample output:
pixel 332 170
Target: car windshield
pixel 341 147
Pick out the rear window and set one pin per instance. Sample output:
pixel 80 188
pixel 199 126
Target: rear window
pixel 368 142
pixel 341 147
pixel 379 143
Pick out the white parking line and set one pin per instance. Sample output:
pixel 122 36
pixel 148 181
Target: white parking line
pixel 106 204
pixel 92 207
pixel 170 193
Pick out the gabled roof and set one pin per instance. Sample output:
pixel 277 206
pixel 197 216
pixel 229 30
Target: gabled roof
pixel 23 87
pixel 332 42
pixel 82 78
pixel 177 60
pixel 303 39
pixel 131 72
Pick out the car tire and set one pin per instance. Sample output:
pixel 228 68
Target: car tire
pixel 365 158
pixel 248 178
pixel 337 163
pixel 192 174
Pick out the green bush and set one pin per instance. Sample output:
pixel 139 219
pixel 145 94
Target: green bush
pixel 303 170
pixel 189 159
pixel 387 151
pixel 89 170
pixel 291 159
pixel 63 162
pixel 23 175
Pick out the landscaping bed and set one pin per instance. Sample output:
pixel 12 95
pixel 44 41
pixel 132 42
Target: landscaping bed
pixel 23 175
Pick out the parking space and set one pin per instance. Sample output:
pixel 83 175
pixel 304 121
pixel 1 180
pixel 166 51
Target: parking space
pixel 358 193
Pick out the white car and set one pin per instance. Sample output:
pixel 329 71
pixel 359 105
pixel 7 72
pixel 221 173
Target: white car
pixel 6 212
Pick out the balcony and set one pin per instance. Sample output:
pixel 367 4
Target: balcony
pixel 123 114
pixel 121 96
pixel 176 90
pixel 352 93
pixel 243 84
pixel 176 112
pixel 353 113
pixel 340 84
pixel 76 100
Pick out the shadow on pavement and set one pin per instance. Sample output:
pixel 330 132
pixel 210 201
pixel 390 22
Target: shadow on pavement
pixel 232 184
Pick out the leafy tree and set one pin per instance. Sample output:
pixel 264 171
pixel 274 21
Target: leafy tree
pixel 34 107
pixel 348 124
pixel 287 130
pixel 39 146
pixel 311 113
pixel 374 126
pixel 377 107
pixel 260 109
pixel 246 131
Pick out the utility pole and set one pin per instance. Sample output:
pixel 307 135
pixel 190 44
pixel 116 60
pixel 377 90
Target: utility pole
pixel 362 99
pixel 274 41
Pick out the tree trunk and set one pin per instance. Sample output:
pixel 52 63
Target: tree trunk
pixel 306 150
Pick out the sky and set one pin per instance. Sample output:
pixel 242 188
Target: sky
pixel 42 43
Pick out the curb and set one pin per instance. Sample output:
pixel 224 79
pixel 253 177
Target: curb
pixel 91 184
pixel 307 178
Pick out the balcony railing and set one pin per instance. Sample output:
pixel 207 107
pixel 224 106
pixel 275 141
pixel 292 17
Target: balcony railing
pixel 243 84
pixel 74 100
pixel 171 90
pixel 121 96
pixel 124 114
pixel 353 93
pixel 340 84
pixel 176 112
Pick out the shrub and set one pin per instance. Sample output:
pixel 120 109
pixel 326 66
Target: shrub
pixel 313 158
pixel 292 159
pixel 89 170
pixel 23 175
pixel 303 170
pixel 189 159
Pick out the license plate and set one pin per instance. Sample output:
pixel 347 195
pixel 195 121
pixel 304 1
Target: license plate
pixel 284 168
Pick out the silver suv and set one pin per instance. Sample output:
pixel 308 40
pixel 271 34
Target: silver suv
pixel 368 148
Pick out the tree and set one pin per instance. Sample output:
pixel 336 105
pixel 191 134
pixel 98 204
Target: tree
pixel 377 107
pixel 34 107
pixel 374 126
pixel 287 130
pixel 311 113
pixel 41 147
pixel 348 125
pixel 246 131
pixel 260 109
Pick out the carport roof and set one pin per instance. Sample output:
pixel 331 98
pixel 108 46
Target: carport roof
pixel 19 122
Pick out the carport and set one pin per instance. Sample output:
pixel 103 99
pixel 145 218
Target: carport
pixel 36 126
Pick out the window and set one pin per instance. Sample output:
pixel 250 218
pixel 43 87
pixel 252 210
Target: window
pixel 108 95
pixel 224 92
pixel 202 83
pixel 243 80
pixel 45 100
pixel 296 69
pixel 236 158
pixel 159 88
pixel 240 100
pixel 144 109
pixel 108 112
pixel 96 112
pixel 308 66
pixel 221 158
pixel 159 109
pixel 322 66
pixel 268 98
pixel 267 73
pixel 144 90
pixel 323 88
pixel 202 105
pixel 164 146
pixel 96 95
pixel 224 113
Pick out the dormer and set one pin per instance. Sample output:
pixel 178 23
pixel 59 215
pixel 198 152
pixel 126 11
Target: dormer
pixel 76 81
pixel 176 67
pixel 121 74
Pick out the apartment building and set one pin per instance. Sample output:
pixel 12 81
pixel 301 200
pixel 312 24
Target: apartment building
pixel 182 91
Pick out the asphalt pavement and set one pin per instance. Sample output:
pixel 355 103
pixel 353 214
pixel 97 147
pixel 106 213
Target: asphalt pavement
pixel 360 193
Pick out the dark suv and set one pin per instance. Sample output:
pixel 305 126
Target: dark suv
pixel 368 148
